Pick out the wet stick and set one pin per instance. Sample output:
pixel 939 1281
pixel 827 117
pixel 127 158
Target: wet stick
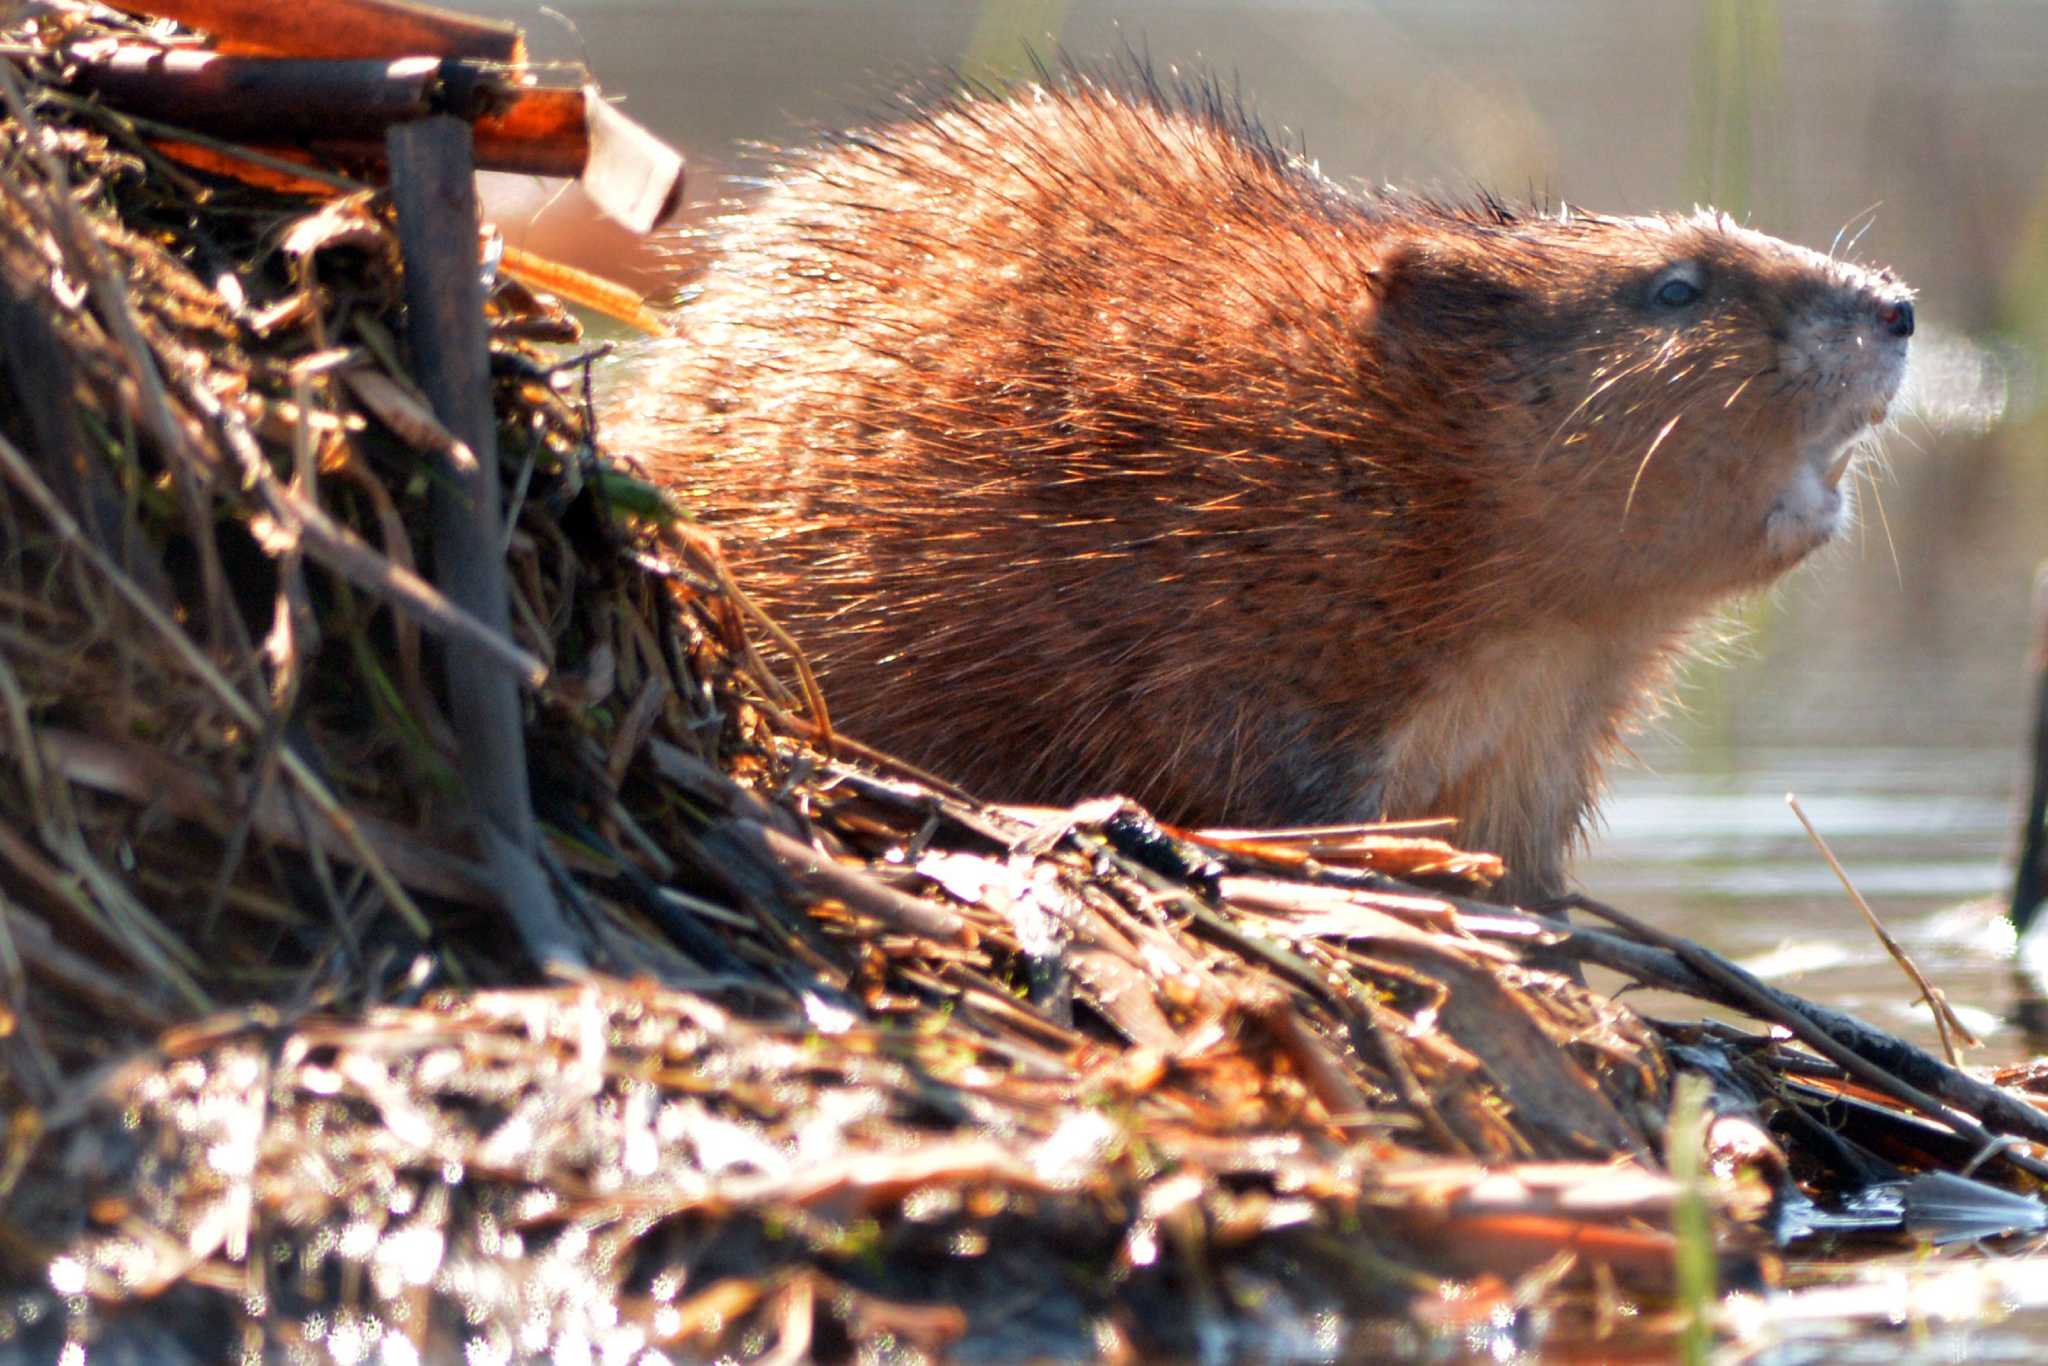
pixel 433 182
pixel 2030 882
pixel 1947 1095
pixel 1945 1022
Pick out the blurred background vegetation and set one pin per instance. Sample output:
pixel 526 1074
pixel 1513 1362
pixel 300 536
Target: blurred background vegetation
pixel 1886 681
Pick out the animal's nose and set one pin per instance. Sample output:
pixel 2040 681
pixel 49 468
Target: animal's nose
pixel 1896 316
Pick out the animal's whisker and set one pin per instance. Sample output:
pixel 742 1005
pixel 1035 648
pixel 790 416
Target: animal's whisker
pixel 1884 520
pixel 1868 216
pixel 1636 482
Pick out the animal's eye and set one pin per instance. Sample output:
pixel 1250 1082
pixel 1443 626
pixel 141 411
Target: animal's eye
pixel 1677 291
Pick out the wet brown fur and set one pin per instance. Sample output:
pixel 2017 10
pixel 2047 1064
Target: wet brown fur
pixel 1091 443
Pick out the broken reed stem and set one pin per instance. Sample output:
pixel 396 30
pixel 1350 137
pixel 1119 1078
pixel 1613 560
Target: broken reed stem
pixel 1946 1024
pixel 614 300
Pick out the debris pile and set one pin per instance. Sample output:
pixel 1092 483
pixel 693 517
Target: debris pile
pixel 349 1013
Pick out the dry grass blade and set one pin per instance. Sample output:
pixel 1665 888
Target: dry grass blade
pixel 16 468
pixel 1946 1022
pixel 585 290
pixel 300 524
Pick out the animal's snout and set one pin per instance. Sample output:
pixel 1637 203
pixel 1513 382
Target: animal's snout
pixel 1896 316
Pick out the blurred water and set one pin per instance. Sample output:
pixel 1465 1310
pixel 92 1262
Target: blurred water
pixel 1714 853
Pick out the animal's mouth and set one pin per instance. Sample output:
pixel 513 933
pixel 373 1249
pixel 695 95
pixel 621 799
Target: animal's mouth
pixel 1813 506
pixel 1855 364
pixel 1836 466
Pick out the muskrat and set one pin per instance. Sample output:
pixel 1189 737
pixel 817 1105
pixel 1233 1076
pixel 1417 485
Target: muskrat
pixel 1088 442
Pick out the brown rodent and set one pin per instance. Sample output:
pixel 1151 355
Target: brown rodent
pixel 1089 442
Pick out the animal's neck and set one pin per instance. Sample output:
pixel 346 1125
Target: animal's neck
pixel 1511 741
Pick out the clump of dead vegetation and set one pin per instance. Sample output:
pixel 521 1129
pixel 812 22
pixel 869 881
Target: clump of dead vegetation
pixel 430 931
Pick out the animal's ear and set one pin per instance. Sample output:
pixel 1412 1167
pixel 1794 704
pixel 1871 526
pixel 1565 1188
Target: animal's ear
pixel 1429 280
pixel 1395 269
pixel 1387 278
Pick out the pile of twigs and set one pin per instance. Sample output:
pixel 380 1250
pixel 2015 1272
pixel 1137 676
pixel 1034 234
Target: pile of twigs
pixel 844 1058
